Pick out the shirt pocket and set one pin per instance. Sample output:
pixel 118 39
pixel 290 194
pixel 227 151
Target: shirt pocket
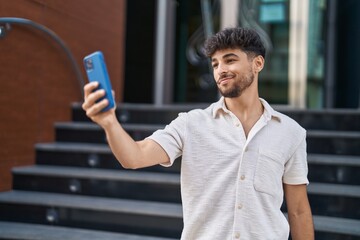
pixel 268 173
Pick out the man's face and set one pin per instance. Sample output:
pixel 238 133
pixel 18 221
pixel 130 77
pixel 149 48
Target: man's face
pixel 232 72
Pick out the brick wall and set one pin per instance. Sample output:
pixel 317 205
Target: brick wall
pixel 38 84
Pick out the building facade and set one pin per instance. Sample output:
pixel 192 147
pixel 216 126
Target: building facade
pixel 311 50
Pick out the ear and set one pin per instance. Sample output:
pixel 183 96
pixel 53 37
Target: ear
pixel 258 63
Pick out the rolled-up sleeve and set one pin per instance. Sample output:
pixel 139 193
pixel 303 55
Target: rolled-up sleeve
pixel 172 137
pixel 296 168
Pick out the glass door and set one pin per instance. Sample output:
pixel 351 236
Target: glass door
pixel 271 20
pixel 292 31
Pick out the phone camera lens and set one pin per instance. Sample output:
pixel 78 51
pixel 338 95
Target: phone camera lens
pixel 89 64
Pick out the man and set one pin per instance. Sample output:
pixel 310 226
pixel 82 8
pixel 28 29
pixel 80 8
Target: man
pixel 239 156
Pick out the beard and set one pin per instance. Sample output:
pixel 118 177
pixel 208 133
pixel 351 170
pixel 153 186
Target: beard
pixel 239 86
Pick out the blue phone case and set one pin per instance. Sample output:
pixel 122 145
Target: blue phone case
pixel 96 71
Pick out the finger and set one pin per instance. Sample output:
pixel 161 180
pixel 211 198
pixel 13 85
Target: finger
pixel 90 87
pixel 96 108
pixel 92 98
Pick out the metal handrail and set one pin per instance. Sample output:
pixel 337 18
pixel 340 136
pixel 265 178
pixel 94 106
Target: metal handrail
pixel 7 21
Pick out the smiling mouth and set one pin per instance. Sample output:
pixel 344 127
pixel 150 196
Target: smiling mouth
pixel 224 80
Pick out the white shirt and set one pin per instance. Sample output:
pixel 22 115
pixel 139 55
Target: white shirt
pixel 232 186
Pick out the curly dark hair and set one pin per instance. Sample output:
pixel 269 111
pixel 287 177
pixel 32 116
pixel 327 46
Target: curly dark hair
pixel 245 39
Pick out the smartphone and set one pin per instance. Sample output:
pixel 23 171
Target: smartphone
pixel 96 71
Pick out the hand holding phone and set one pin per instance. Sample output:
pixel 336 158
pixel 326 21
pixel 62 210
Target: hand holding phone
pixel 96 71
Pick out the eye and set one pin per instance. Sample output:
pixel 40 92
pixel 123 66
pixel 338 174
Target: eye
pixel 214 66
pixel 230 60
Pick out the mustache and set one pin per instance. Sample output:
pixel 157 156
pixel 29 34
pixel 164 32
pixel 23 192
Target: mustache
pixel 224 76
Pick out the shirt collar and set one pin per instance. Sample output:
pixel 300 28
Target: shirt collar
pixel 218 107
pixel 269 112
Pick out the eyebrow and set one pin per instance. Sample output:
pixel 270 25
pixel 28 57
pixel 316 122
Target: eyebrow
pixel 226 56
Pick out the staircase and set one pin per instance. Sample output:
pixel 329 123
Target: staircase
pixel 77 190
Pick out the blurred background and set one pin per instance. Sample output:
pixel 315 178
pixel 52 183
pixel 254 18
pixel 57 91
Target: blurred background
pixel 153 51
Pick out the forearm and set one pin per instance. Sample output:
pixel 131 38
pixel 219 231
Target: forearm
pixel 125 149
pixel 132 154
pixel 299 212
pixel 128 152
pixel 301 226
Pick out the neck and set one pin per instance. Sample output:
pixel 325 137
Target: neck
pixel 247 109
pixel 244 107
pixel 246 103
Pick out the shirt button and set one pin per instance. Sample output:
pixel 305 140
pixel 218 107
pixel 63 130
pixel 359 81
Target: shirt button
pixel 242 177
pixel 240 206
pixel 237 235
pixel 246 149
pixel 237 124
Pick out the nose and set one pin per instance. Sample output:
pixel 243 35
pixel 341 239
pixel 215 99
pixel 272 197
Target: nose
pixel 222 68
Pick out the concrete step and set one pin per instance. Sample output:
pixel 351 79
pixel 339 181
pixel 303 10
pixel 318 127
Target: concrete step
pixel 333 160
pixel 327 119
pixel 334 169
pixel 26 231
pixel 140 113
pixel 337 200
pixel 149 186
pixel 324 225
pixel 97 213
pixel 92 133
pixel 333 142
pixel 336 228
pixel 319 141
pixel 334 190
pixel 85 155
pixel 76 154
pixel 324 167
